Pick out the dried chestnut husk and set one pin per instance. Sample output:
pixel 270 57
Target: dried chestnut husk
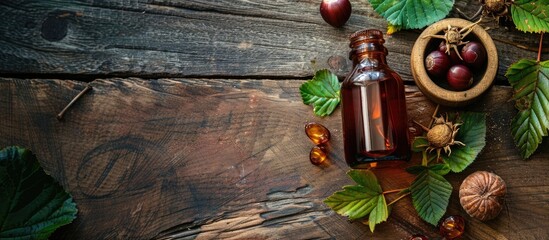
pixel 482 195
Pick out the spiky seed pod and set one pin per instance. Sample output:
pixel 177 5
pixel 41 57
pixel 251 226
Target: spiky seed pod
pixel 439 135
pixel 453 35
pixel 494 6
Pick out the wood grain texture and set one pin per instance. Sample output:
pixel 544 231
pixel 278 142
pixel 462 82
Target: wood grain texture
pixel 168 38
pixel 211 158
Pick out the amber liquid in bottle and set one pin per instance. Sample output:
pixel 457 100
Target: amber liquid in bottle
pixel 375 125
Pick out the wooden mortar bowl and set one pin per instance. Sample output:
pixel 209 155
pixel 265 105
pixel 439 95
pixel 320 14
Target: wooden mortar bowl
pixel 438 94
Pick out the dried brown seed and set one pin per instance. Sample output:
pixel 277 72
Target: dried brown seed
pixel 482 195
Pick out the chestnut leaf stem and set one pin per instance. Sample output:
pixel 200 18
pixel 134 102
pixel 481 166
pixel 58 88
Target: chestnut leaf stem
pixel 424 159
pixel 540 47
pixel 398 198
pixel 394 191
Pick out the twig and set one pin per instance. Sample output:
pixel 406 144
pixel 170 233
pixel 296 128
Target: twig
pixel 85 90
pixel 433 117
pixel 467 17
pixel 426 129
pixel 520 46
pixel 540 47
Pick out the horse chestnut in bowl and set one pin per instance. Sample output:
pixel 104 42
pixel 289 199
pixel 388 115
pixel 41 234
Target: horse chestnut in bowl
pixel 459 77
pixel 474 55
pixel 452 53
pixel 335 12
pixel 441 92
pixel 437 63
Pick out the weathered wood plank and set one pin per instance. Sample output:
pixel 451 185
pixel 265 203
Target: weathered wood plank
pixel 199 158
pixel 166 38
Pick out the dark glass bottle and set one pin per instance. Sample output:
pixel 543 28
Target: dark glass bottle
pixel 375 122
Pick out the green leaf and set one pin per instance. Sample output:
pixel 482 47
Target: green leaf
pixel 440 169
pixel 322 92
pixel 531 15
pixel 430 195
pixel 354 201
pixel 366 179
pixel 530 82
pixel 360 200
pixel 412 14
pixel 379 214
pixel 33 204
pixel 420 144
pixel 473 134
pixel 416 170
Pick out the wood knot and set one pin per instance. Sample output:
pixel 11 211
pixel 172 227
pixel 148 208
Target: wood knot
pixel 337 63
pixel 54 27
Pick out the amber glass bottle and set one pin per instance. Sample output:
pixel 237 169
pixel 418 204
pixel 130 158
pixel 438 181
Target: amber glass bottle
pixel 375 122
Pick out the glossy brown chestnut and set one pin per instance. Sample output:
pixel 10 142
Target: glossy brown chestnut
pixel 335 12
pixel 437 63
pixel 459 77
pixel 454 58
pixel 474 55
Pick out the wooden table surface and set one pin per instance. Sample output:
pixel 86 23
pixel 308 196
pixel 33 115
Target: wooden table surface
pixel 194 126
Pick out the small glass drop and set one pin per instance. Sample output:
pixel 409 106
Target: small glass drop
pixel 419 237
pixel 317 156
pixel 452 227
pixel 317 133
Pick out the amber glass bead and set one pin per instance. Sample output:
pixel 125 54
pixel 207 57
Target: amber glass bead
pixel 452 227
pixel 317 156
pixel 419 237
pixel 317 133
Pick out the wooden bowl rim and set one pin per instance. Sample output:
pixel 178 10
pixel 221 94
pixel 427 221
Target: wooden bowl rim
pixel 434 91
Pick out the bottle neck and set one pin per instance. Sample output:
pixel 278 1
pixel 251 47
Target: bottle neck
pixel 368 45
pixel 377 56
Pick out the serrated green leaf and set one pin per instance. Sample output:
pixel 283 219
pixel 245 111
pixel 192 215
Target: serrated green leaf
pixel 412 14
pixel 430 195
pixel 460 158
pixel 379 214
pixel 367 179
pixel 419 144
pixel 473 134
pixel 530 82
pixel 417 169
pixel 33 204
pixel 322 92
pixel 360 200
pixel 440 169
pixel 354 201
pixel 531 15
